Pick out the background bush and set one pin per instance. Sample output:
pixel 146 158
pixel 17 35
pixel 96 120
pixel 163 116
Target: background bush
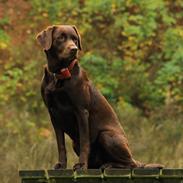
pixel 133 52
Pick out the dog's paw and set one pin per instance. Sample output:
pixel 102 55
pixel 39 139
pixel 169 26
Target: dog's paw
pixel 106 166
pixel 79 166
pixel 59 166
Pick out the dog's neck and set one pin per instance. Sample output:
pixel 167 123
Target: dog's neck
pixel 62 71
pixel 65 73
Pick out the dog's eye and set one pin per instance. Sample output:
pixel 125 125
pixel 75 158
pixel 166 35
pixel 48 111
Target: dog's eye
pixel 75 40
pixel 61 38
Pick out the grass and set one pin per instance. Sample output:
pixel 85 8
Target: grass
pixel 27 143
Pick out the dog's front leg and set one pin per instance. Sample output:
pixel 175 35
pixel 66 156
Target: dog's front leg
pixel 82 118
pixel 62 157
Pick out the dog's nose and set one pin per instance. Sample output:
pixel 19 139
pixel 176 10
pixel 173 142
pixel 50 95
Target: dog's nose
pixel 73 50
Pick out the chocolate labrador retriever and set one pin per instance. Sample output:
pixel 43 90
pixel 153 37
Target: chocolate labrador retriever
pixel 78 109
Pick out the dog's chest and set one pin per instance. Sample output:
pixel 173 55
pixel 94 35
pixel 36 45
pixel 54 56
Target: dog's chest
pixel 61 102
pixel 62 109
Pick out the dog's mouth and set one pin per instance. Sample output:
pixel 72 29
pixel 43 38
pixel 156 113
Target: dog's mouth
pixel 63 60
pixel 67 56
pixel 72 56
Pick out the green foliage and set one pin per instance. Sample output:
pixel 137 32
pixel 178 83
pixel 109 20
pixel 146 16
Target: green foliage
pixel 3 36
pixel 102 73
pixel 169 76
pixel 4 39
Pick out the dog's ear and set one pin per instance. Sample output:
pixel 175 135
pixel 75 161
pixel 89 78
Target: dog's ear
pixel 45 37
pixel 79 37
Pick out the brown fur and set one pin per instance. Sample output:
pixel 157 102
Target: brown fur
pixel 78 109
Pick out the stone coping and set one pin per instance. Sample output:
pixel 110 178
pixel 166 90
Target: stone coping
pixel 136 175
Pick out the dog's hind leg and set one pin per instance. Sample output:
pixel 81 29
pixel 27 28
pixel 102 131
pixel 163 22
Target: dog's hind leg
pixel 116 149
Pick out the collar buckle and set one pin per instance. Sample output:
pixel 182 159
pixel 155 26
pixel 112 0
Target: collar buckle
pixel 55 77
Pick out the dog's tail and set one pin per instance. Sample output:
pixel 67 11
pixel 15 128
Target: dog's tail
pixel 149 165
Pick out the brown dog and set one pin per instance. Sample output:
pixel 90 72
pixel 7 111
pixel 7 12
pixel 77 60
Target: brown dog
pixel 78 109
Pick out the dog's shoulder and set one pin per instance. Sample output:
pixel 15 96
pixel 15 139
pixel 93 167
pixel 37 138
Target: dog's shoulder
pixel 45 78
pixel 83 75
pixel 46 74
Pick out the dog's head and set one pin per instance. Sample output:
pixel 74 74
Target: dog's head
pixel 62 41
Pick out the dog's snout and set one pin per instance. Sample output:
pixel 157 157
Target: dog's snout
pixel 73 49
